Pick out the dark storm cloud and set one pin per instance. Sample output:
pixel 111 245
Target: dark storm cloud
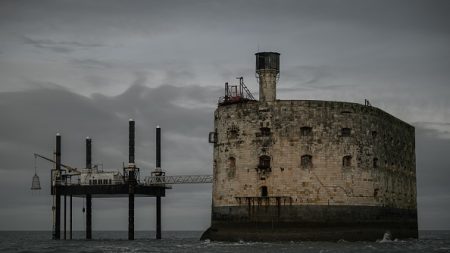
pixel 433 172
pixel 58 46
pixel 90 63
pixel 85 67
pixel 39 114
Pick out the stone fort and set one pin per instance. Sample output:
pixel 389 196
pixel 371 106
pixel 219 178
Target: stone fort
pixel 307 169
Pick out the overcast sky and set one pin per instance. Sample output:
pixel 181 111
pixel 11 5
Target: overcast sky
pixel 83 68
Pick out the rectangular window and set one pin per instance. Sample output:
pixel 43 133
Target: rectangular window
pixel 265 131
pixel 306 131
pixel 306 161
pixel 347 161
pixel 264 162
pixel 375 162
pixel 345 132
pixel 264 192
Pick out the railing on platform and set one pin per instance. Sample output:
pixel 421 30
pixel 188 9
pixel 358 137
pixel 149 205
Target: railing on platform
pixel 188 179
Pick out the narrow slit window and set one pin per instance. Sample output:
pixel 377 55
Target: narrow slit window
pixel 231 167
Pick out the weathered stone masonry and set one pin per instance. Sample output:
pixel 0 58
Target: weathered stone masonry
pixel 315 170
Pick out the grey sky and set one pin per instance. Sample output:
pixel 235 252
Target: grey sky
pixel 84 67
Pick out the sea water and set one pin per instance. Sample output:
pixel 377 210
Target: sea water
pixel 188 241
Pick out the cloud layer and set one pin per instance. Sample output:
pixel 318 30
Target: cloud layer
pixel 82 68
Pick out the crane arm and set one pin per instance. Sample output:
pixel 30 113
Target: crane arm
pixel 68 168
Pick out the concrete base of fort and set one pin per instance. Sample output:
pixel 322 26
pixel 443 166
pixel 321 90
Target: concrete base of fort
pixel 310 223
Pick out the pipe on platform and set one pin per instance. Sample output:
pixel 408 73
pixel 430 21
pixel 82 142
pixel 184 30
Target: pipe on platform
pixel 88 196
pixel 57 192
pixel 158 196
pixel 88 153
pixel 131 142
pixel 158 147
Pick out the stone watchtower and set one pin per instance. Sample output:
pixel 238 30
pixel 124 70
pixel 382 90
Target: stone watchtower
pixel 307 169
pixel 267 72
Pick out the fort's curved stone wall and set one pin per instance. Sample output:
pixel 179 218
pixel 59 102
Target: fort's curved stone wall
pixel 288 163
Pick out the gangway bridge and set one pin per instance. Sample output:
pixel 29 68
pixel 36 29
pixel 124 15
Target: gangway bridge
pixel 183 179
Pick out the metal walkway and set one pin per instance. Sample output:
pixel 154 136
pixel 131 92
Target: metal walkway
pixel 188 179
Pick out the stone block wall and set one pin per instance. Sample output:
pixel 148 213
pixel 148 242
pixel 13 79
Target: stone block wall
pixel 313 153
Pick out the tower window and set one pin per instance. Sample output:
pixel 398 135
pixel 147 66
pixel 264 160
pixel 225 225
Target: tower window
pixel 264 192
pixel 345 132
pixel 347 161
pixel 306 161
pixel 264 162
pixel 233 132
pixel 305 131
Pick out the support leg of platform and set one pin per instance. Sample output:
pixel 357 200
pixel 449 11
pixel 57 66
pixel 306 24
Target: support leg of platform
pixel 57 215
pixel 158 217
pixel 70 219
pixel 131 216
pixel 65 216
pixel 88 216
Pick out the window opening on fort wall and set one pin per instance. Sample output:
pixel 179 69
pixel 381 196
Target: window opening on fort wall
pixel 231 167
pixel 264 192
pixel 305 131
pixel 375 162
pixel 347 161
pixel 265 131
pixel 374 134
pixel 264 162
pixel 306 161
pixel 345 132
